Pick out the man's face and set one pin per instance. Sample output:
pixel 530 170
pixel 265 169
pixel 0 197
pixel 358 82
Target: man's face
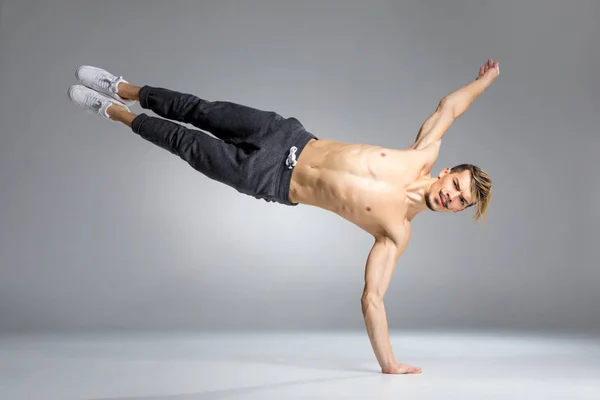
pixel 451 192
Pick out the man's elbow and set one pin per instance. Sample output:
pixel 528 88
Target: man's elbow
pixel 444 102
pixel 370 300
pixel 448 106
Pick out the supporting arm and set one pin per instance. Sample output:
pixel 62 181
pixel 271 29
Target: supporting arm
pixel 379 270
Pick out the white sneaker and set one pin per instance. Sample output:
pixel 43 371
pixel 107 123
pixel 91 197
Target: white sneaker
pixel 102 81
pixel 92 101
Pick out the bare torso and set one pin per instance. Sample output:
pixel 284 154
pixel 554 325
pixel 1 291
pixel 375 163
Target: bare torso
pixel 364 184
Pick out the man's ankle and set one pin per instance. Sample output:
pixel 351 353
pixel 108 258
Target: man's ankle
pixel 128 91
pixel 115 112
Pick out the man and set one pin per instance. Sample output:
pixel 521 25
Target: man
pixel 264 155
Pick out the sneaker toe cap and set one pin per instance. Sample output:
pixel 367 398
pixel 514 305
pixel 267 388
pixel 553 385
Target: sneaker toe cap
pixel 86 74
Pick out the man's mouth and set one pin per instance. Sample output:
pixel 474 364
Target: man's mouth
pixel 442 200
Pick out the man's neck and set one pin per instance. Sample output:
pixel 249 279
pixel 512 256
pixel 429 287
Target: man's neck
pixel 415 196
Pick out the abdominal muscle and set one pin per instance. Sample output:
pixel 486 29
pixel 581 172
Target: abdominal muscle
pixel 361 183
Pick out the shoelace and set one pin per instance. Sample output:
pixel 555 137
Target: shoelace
pixel 93 102
pixel 291 160
pixel 106 82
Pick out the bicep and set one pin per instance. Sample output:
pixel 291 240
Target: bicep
pixel 434 127
pixel 381 263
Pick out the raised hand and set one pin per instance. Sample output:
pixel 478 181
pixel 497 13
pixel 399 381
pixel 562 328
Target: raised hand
pixel 490 69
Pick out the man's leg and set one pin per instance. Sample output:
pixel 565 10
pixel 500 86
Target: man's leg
pixel 220 161
pixel 230 122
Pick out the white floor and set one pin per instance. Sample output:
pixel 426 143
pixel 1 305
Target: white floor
pixel 297 366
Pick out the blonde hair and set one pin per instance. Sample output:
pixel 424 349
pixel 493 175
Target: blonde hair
pixel 481 190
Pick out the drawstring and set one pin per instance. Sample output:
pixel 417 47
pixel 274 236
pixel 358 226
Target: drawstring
pixel 291 159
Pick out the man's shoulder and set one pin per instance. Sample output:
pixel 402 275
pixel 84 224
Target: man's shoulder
pixel 425 156
pixel 399 235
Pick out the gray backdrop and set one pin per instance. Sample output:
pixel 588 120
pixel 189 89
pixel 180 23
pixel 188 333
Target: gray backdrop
pixel 101 230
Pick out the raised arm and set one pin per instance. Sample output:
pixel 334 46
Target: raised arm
pixel 454 105
pixel 381 263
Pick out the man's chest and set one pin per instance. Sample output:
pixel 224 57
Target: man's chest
pixel 376 209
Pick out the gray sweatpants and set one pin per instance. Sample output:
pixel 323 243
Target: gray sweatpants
pixel 255 152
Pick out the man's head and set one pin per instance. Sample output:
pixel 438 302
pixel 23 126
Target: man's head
pixel 459 188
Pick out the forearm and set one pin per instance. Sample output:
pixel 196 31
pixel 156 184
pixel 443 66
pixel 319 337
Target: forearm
pixel 377 329
pixel 461 99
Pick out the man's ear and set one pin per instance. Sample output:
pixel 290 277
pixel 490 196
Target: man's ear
pixel 444 172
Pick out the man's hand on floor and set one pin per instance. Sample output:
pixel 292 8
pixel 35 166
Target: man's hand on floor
pixel 399 368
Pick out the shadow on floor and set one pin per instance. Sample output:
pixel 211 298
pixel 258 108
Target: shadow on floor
pixel 225 393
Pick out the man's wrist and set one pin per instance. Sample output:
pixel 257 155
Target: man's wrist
pixel 388 367
pixel 480 85
pixel 388 364
pixel 488 78
pixel 484 80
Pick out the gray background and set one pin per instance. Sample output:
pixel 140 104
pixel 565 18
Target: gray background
pixel 100 230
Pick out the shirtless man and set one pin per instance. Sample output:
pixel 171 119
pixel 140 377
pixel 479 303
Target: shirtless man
pixel 266 156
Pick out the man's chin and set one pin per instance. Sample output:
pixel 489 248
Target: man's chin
pixel 428 203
